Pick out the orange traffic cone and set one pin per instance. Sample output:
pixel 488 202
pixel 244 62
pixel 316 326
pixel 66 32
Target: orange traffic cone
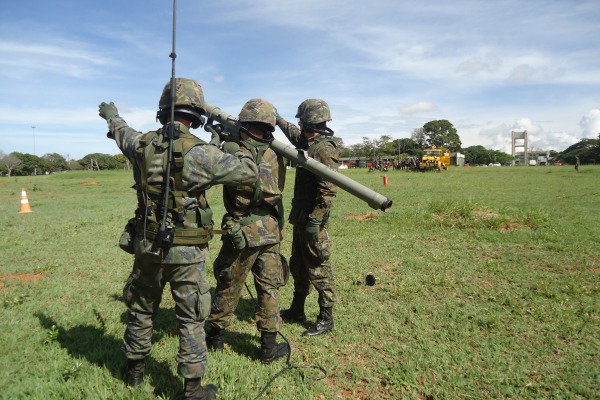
pixel 25 207
pixel 385 180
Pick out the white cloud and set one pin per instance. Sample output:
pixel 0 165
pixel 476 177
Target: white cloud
pixel 475 64
pixel 62 58
pixel 420 107
pixel 590 124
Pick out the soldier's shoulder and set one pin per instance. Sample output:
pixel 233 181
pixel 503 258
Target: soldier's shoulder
pixel 327 148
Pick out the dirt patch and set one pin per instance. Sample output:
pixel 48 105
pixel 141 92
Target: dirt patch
pixel 89 183
pixel 362 217
pixel 485 214
pixel 511 226
pixel 3 182
pixel 380 267
pixel 20 278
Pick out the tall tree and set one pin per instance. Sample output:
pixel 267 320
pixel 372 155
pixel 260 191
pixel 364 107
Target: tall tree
pixel 418 136
pixel 385 146
pixel 368 147
pixel 10 161
pixel 105 161
pixel 342 149
pixel 55 162
pixel 442 133
pixel 407 146
pixel 30 164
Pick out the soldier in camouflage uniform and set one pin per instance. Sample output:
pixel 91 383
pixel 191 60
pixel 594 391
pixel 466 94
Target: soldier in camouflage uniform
pixel 313 198
pixel 252 235
pixel 178 256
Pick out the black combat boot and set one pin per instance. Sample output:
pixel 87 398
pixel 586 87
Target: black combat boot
pixel 193 390
pixel 134 372
pixel 296 311
pixel 270 350
pixel 324 323
pixel 215 339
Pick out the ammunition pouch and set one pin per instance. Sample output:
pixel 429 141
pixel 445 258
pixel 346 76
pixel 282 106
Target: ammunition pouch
pixel 128 236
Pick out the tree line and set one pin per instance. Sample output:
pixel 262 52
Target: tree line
pixel 439 133
pixel 21 164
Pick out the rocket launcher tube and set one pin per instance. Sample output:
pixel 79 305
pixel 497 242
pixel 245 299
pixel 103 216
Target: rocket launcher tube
pixel 372 198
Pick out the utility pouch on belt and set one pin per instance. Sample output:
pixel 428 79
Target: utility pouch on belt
pixel 232 233
pixel 163 240
pixel 128 236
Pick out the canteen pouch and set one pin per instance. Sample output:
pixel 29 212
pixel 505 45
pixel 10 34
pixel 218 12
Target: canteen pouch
pixel 128 236
pixel 232 233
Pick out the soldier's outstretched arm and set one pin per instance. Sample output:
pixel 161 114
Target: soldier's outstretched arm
pixel 291 131
pixel 210 166
pixel 126 137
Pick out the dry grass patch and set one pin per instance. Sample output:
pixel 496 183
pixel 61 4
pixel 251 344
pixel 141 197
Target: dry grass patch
pixel 362 217
pixel 20 277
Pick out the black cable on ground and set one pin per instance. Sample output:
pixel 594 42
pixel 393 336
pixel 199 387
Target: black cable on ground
pixel 288 363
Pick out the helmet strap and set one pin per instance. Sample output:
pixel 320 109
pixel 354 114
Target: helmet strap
pixel 320 129
pixel 267 138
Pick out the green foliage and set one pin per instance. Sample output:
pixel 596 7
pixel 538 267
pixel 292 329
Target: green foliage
pixel 442 133
pixel 29 165
pixel 55 162
pixel 105 161
pixel 487 286
pixel 120 158
pixel 588 151
pixel 479 155
pixel 407 147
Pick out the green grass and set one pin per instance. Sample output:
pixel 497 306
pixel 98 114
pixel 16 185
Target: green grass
pixel 488 285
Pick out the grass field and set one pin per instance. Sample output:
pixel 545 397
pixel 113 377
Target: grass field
pixel 487 287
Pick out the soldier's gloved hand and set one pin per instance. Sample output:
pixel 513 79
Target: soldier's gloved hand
pixel 215 139
pixel 231 147
pixel 312 230
pixel 107 111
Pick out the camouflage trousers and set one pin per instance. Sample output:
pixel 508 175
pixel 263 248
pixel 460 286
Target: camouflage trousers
pixel 310 265
pixel 190 290
pixel 231 269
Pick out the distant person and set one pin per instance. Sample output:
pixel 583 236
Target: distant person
pixel 577 163
pixel 254 221
pixel 310 263
pixel 177 255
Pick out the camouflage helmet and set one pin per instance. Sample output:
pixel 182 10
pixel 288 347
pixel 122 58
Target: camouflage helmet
pixel 313 111
pixel 259 110
pixel 189 100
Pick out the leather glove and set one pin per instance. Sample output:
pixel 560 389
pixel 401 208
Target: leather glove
pixel 108 111
pixel 231 147
pixel 312 230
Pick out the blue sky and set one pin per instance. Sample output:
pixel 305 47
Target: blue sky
pixel 386 67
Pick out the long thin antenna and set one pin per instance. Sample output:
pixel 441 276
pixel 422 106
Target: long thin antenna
pixel 173 56
pixel 164 238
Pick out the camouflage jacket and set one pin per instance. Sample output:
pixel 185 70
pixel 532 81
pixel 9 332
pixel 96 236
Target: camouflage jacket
pixel 313 195
pixel 203 167
pixel 259 205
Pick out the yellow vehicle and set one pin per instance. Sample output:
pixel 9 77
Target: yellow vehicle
pixel 435 159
